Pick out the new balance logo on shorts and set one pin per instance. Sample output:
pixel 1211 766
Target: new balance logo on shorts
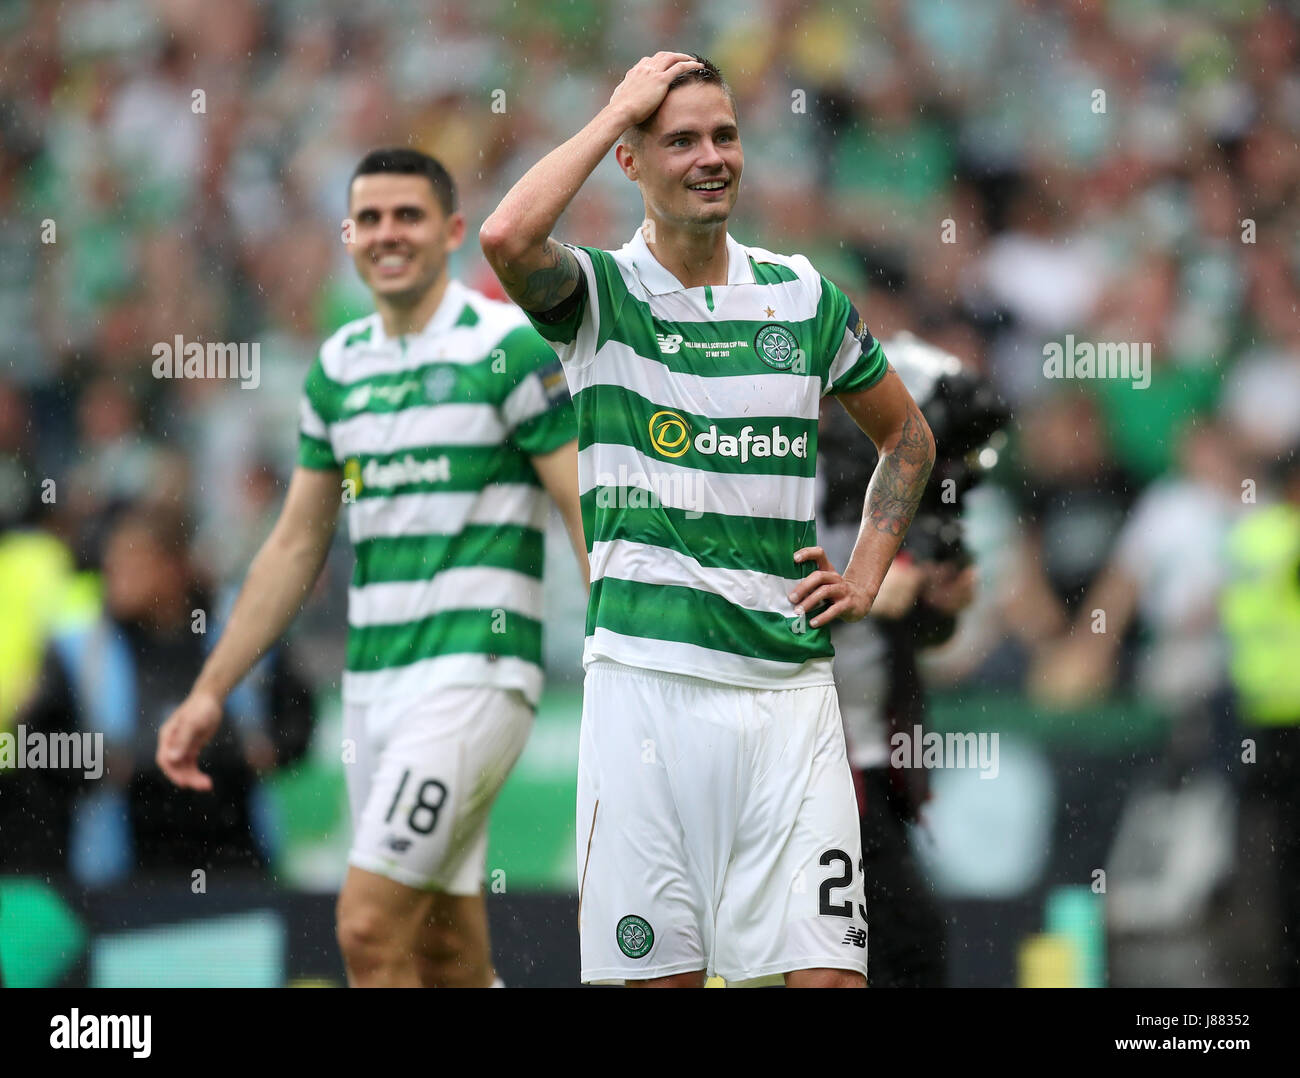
pixel 856 936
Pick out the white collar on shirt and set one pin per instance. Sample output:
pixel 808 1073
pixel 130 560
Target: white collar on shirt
pixel 657 281
pixel 452 303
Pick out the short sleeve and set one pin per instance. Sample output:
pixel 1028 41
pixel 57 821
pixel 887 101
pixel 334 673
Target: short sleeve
pixel 854 359
pixel 576 335
pixel 314 413
pixel 538 411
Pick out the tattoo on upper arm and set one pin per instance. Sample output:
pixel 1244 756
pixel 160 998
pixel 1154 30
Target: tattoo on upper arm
pixel 900 477
pixel 550 283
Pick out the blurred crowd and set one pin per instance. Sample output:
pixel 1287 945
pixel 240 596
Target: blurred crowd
pixel 990 176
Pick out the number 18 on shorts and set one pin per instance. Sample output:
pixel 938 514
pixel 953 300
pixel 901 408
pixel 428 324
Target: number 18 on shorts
pixel 426 773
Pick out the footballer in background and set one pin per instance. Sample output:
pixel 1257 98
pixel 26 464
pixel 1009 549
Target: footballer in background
pixel 443 420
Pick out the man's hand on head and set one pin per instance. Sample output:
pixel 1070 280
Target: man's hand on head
pixel 645 86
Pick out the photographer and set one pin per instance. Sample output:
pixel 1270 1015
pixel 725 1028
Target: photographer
pixel 876 669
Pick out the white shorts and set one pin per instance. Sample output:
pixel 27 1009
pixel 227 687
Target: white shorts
pixel 425 774
pixel 717 830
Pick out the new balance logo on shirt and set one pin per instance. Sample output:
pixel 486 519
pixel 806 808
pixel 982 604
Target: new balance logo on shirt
pixel 672 343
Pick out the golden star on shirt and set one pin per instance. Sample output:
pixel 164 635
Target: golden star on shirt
pixel 769 312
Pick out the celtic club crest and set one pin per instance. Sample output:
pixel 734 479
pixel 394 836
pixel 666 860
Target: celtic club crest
pixel 635 936
pixel 776 346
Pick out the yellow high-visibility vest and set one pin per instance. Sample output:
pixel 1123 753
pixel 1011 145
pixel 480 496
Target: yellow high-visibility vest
pixel 1260 608
pixel 34 569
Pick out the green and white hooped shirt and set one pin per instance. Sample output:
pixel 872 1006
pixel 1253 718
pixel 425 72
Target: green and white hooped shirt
pixel 697 436
pixel 433 432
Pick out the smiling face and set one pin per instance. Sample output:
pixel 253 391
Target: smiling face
pixel 687 160
pixel 402 236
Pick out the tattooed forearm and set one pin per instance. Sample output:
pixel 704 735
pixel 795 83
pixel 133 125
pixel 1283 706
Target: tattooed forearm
pixel 546 286
pixel 900 477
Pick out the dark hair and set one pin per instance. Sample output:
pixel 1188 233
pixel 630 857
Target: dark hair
pixel 709 72
pixel 408 162
pixel 166 527
pixel 1285 470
